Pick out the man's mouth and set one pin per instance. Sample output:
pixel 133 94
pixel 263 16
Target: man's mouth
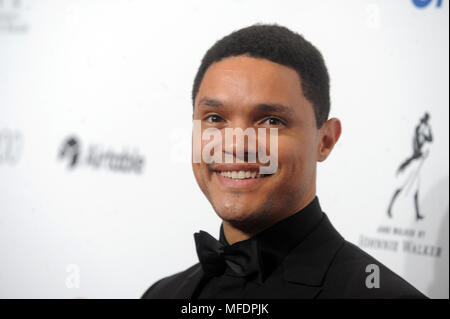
pixel 238 175
pixel 241 174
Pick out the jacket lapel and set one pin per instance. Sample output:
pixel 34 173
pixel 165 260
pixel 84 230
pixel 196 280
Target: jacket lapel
pixel 306 266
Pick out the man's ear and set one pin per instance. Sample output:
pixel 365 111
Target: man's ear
pixel 329 134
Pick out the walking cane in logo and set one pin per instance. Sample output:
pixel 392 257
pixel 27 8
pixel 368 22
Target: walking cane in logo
pixel 412 165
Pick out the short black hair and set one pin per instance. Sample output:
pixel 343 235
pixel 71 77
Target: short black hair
pixel 280 45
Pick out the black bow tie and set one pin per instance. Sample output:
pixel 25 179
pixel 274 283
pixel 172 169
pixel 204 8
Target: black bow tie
pixel 215 257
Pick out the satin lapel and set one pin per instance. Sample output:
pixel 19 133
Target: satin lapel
pixel 306 266
pixel 188 286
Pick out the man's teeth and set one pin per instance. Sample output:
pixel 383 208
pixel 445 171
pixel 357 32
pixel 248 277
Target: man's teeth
pixel 240 174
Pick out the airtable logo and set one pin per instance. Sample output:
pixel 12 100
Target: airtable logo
pixel 99 156
pixel 70 150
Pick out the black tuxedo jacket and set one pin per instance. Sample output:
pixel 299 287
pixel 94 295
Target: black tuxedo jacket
pixel 323 265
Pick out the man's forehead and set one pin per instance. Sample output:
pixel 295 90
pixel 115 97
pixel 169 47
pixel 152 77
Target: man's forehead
pixel 245 65
pixel 247 78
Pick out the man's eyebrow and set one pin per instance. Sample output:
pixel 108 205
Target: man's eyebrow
pixel 207 101
pixel 262 107
pixel 279 108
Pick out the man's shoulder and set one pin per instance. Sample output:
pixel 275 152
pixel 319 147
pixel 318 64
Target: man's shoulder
pixel 356 274
pixel 165 287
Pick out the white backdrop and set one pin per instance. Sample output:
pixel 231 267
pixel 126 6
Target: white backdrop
pixel 109 83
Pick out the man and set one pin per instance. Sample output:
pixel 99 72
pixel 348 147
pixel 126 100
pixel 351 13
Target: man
pixel 275 241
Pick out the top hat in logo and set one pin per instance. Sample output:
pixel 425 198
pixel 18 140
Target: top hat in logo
pixel 70 150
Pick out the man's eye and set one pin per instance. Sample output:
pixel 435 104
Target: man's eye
pixel 214 118
pixel 273 121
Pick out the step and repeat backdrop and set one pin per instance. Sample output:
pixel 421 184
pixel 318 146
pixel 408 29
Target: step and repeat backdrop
pixel 97 195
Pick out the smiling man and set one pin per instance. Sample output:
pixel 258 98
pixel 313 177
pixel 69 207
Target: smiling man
pixel 275 241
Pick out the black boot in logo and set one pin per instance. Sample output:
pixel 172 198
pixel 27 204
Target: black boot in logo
pixel 413 165
pixel 71 150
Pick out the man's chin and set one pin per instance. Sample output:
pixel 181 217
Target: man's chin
pixel 246 220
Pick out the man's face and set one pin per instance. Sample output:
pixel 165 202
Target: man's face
pixel 245 92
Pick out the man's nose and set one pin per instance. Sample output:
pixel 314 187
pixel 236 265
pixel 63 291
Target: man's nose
pixel 239 143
